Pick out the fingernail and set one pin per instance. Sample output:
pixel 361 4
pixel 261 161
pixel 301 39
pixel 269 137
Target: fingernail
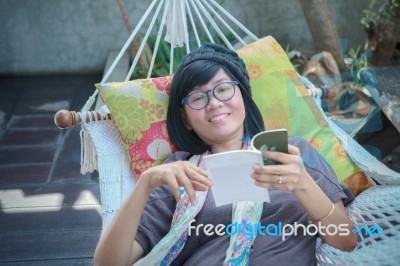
pixel 256 166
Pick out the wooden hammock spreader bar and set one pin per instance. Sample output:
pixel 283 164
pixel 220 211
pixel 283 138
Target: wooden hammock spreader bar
pixel 65 118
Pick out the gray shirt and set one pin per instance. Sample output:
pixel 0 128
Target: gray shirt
pixel 283 207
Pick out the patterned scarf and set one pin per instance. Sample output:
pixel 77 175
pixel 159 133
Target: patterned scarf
pixel 243 212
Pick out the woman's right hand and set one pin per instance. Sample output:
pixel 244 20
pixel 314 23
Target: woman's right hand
pixel 175 175
pixel 117 245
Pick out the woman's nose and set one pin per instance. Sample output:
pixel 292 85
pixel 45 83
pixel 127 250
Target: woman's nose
pixel 213 102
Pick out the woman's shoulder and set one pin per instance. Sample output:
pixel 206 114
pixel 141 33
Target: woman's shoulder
pixel 308 153
pixel 299 142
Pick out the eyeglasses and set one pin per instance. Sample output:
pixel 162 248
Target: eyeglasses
pixel 199 99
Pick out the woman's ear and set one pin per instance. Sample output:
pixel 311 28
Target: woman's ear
pixel 185 119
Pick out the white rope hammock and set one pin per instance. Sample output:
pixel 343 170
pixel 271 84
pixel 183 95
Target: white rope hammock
pixel 175 23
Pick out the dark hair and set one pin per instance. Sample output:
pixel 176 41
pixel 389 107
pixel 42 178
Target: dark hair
pixel 196 74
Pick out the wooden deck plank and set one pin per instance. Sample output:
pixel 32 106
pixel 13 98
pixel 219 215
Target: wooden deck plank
pixel 62 262
pixel 50 195
pixel 55 224
pixel 67 218
pixel 48 245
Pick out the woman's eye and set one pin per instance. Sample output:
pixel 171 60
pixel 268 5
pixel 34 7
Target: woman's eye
pixel 197 98
pixel 224 89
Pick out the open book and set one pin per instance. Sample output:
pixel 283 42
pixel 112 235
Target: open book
pixel 230 171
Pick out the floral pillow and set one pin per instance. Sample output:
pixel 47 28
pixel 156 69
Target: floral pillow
pixel 139 109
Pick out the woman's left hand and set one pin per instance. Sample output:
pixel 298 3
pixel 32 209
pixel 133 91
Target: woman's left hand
pixel 290 175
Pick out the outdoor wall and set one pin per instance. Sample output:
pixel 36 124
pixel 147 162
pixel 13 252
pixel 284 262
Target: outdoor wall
pixel 75 36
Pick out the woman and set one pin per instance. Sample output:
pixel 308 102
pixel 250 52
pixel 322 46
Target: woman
pixel 211 111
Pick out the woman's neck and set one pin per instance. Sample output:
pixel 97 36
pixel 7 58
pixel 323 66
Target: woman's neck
pixel 227 146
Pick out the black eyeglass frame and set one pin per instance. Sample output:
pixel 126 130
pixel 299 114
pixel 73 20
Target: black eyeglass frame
pixel 185 100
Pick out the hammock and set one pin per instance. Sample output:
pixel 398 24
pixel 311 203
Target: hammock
pixel 104 150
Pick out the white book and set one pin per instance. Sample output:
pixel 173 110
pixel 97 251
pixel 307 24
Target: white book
pixel 231 171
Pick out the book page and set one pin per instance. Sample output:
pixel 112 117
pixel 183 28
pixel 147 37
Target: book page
pixel 230 173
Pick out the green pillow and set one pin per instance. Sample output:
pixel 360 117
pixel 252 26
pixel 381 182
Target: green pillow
pixel 284 102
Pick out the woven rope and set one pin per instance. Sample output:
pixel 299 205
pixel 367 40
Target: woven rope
pixel 88 149
pixel 115 176
pixel 377 206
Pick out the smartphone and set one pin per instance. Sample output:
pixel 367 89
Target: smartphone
pixel 271 140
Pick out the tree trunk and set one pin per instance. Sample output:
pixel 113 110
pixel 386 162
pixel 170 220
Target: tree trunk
pixel 383 37
pixel 322 27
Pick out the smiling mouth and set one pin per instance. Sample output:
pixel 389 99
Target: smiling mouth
pixel 218 117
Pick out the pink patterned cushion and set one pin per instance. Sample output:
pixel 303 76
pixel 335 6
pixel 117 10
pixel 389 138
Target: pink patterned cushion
pixel 139 109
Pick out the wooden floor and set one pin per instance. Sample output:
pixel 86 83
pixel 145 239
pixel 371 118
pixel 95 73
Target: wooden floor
pixel 49 213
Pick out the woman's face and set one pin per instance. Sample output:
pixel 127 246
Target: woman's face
pixel 220 122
